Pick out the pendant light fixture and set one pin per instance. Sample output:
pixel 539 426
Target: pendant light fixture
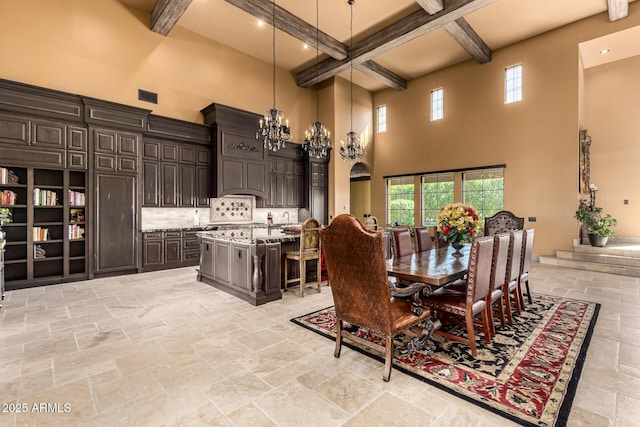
pixel 317 139
pixel 350 149
pixel 272 131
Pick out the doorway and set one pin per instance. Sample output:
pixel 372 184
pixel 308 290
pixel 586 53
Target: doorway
pixel 360 191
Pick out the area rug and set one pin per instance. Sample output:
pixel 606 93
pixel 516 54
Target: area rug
pixel 528 374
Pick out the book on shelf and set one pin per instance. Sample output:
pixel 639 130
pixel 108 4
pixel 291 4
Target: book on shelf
pixel 44 197
pixel 76 232
pixel 76 198
pixel 7 176
pixel 40 234
pixel 7 197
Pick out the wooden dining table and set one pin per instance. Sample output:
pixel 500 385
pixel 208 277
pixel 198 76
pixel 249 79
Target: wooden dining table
pixel 435 267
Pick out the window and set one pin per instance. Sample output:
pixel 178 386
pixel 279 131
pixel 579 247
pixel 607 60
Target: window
pixel 437 104
pixel 437 191
pixel 513 84
pixel 400 200
pixel 484 189
pixel 381 118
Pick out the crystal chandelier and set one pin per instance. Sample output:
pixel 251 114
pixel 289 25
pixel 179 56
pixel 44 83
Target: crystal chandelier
pixel 317 140
pixel 351 150
pixel 272 131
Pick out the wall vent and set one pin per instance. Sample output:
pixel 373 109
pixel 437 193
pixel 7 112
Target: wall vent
pixel 146 96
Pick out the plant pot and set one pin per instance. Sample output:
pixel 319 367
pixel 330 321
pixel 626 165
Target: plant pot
pixel 597 241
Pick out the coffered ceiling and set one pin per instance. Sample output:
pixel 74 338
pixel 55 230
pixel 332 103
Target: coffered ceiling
pixel 393 41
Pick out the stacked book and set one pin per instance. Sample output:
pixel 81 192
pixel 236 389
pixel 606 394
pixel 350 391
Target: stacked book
pixel 7 176
pixel 40 234
pixel 76 198
pixel 44 197
pixel 76 231
pixel 7 197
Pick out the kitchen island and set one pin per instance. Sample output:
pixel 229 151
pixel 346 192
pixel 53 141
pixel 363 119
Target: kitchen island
pixel 247 266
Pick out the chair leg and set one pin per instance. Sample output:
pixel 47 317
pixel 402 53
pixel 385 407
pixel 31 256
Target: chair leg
pixel 489 310
pixel 336 352
pixel 388 358
pixel 501 308
pixel 526 282
pixel 521 295
pixel 319 273
pixel 507 303
pixel 485 325
pixel 303 277
pixel 472 338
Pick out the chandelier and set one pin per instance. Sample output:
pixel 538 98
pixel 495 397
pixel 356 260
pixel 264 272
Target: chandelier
pixel 272 130
pixel 317 139
pixel 351 150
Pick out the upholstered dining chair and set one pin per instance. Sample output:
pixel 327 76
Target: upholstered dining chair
pixel 502 222
pixel 463 307
pixel 498 273
pixel 438 240
pixel 357 268
pixel 401 242
pixel 309 251
pixel 423 239
pixel 512 278
pixel 527 251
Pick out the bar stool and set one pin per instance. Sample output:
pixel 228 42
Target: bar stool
pixel 309 251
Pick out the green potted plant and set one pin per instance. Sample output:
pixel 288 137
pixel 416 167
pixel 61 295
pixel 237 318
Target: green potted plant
pixel 598 226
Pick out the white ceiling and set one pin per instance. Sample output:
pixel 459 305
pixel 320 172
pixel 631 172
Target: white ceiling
pixel 499 24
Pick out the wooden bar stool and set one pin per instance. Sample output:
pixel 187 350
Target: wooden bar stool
pixel 309 251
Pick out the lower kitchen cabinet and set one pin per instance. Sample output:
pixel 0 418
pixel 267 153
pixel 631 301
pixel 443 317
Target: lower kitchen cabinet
pixel 169 249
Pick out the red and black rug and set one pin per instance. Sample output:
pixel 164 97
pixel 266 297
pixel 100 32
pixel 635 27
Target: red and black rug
pixel 529 373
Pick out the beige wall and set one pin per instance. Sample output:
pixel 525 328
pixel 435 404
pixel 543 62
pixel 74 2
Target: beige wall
pixel 360 198
pixel 537 138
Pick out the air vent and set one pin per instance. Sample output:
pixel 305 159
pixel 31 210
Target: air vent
pixel 146 96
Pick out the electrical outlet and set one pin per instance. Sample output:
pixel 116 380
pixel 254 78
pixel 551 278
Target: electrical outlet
pixel 532 219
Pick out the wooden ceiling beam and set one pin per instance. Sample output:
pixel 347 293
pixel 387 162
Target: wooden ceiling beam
pixel 466 37
pixel 378 72
pixel 431 6
pixel 396 34
pixel 618 9
pixel 166 13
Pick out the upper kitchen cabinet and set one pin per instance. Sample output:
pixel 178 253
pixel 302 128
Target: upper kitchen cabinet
pixel 176 158
pixel 240 165
pixel 285 179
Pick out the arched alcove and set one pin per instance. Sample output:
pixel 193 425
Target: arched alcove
pixel 360 191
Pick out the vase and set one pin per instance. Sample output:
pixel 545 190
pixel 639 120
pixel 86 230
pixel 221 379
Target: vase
pixel 457 246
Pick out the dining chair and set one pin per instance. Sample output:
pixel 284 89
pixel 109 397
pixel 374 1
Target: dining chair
pixel 512 277
pixel 462 307
pixel 498 273
pixel 423 239
pixel 438 240
pixel 309 251
pixel 527 251
pixel 359 284
pixel 401 242
pixel 502 222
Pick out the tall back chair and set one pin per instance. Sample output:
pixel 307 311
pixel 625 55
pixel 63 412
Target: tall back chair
pixel 438 240
pixel 502 222
pixel 401 242
pixel 371 223
pixel 423 239
pixel 512 278
pixel 465 306
pixel 309 251
pixel 527 251
pixel 357 269
pixel 498 274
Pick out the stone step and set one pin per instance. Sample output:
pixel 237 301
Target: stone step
pixel 630 250
pixel 590 266
pixel 600 258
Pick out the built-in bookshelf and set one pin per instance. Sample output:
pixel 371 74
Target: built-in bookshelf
pixel 46 236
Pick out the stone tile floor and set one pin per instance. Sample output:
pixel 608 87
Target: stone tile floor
pixel 161 348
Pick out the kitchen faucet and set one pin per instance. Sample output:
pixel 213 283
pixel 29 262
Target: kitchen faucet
pixel 287 214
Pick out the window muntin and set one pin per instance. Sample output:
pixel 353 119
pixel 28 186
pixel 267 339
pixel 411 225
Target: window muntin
pixel 513 84
pixel 484 189
pixel 381 118
pixel 437 190
pixel 437 104
pixel 400 200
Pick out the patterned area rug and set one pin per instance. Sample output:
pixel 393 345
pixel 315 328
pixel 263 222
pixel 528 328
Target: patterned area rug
pixel 529 373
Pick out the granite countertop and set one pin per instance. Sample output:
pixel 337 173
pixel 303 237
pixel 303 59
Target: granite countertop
pixel 155 230
pixel 258 235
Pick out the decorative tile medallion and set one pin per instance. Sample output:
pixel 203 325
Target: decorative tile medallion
pixel 231 209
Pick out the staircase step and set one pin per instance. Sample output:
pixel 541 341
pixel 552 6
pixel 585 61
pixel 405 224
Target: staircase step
pixel 601 258
pixel 591 266
pixel 630 250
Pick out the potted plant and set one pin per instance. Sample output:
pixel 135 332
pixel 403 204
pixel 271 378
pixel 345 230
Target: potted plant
pixel 599 227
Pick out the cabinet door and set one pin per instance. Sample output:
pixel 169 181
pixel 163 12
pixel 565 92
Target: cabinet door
pixel 207 260
pixel 15 130
pixel 222 257
pixel 151 184
pixel 172 252
pixel 187 185
pixel 290 191
pixel 169 184
pixel 255 174
pixel 76 138
pixel 202 185
pixel 319 197
pixel 242 264
pixel 152 253
pixel 278 196
pixel 116 223
pixel 104 141
pixel 128 144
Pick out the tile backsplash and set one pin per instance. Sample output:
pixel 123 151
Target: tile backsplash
pixel 231 209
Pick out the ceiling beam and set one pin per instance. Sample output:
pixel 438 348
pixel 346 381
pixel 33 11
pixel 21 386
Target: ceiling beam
pixel 466 37
pixel 166 13
pixel 396 34
pixel 431 6
pixel 618 9
pixel 301 30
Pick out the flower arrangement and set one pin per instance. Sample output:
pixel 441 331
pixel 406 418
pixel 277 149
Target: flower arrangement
pixel 458 222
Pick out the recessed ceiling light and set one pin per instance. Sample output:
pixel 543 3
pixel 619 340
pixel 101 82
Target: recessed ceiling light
pixel 260 23
pixel 305 46
pixel 604 51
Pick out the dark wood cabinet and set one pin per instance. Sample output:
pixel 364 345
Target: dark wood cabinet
pixel 115 151
pixel 152 250
pixel 116 223
pixel 169 249
pixel 317 189
pixel 285 179
pixel 151 183
pixel 169 184
pixel 172 248
pixel 187 185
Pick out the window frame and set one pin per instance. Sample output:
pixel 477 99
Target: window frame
pixel 513 84
pixel 482 209
pixel 406 180
pixel 381 119
pixel 441 177
pixel 436 104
